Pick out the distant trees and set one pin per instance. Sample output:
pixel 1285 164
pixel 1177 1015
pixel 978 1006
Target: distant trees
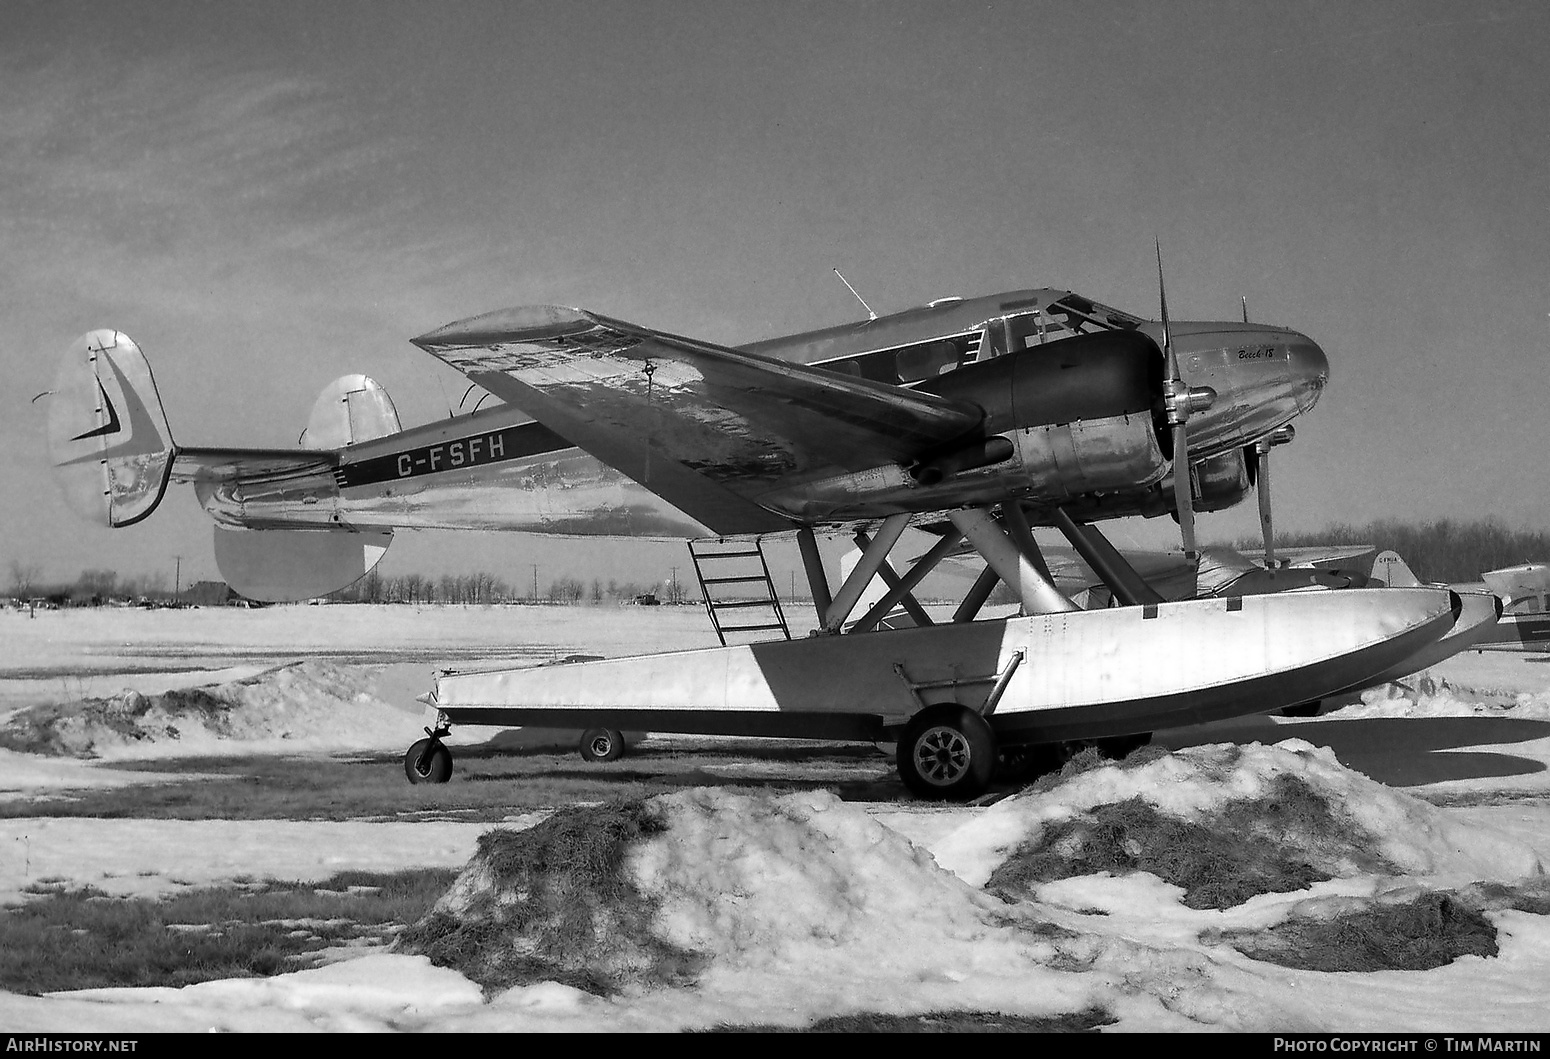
pixel 1444 550
pixel 484 588
pixel 96 585
pixel 24 578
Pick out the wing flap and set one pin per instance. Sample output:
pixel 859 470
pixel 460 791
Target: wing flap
pixel 707 427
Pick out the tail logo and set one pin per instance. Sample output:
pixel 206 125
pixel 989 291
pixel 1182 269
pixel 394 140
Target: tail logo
pixel 111 426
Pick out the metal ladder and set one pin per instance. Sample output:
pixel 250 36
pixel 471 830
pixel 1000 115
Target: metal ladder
pixel 734 563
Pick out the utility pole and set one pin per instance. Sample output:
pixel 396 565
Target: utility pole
pixel 672 587
pixel 177 577
pixel 535 582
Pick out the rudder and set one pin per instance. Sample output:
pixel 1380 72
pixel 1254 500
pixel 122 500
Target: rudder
pixel 108 437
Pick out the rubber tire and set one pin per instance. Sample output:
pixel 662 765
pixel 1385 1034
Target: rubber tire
pixel 947 753
pixel 602 744
pixel 436 770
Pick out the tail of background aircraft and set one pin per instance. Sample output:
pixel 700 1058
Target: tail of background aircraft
pixel 1389 568
pixel 113 456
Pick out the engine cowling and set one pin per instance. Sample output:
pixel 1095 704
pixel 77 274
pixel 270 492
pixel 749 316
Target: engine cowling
pixel 1081 413
pixel 1220 482
pixel 1069 422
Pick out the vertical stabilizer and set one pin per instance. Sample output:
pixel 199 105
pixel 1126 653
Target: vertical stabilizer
pixel 107 435
pixel 1389 568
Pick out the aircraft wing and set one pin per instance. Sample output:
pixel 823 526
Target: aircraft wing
pixel 707 428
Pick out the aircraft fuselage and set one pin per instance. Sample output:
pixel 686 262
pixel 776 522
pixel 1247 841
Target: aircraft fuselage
pixel 1071 386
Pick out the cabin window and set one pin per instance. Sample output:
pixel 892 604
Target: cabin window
pixel 906 364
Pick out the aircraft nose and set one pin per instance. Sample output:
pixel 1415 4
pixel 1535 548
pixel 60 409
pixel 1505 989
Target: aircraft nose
pixel 1308 366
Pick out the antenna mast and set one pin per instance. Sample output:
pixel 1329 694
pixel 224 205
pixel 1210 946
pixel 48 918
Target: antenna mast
pixel 870 315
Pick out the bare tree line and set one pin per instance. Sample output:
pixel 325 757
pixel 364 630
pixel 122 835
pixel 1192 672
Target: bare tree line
pixel 1444 550
pixel 486 588
pixel 26 582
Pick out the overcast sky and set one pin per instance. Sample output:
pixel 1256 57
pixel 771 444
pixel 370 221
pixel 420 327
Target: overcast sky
pixel 267 196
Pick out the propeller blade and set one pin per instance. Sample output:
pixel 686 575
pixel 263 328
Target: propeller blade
pixel 1162 298
pixel 1177 396
pixel 1183 498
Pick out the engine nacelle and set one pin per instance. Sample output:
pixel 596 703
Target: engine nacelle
pixel 1098 376
pixel 1068 460
pixel 1064 422
pixel 1082 412
pixel 1219 483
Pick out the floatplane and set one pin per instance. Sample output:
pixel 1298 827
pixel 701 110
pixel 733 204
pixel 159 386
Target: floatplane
pixel 972 419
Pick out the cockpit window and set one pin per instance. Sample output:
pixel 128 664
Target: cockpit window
pixel 1064 317
pixel 1071 315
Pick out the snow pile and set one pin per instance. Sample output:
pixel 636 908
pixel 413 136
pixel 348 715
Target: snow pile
pixel 303 706
pixel 741 890
pixel 805 878
pixel 1466 687
pixel 1412 834
pixel 372 993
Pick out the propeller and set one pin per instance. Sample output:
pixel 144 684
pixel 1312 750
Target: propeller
pixel 1279 436
pixel 1179 400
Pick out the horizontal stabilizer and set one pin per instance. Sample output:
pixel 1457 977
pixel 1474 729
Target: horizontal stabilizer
pixel 107 435
pixel 284 566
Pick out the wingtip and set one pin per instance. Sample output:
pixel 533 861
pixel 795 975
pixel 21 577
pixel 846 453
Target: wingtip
pixel 524 322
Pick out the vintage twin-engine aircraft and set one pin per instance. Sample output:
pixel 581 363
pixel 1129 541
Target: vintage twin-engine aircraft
pixel 973 419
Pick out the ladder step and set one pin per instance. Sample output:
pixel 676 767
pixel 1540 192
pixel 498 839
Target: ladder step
pixel 758 585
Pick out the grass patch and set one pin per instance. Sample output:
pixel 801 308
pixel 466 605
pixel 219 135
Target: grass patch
pixel 1087 759
pixel 554 902
pixel 1221 860
pixel 1430 931
pixel 487 785
pixel 85 939
pixel 70 729
pixel 1086 1021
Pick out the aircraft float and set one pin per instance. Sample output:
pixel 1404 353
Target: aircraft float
pixel 973 419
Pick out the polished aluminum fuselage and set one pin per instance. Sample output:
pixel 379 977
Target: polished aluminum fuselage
pixel 496 470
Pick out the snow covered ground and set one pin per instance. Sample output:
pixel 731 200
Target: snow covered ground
pixel 808 906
